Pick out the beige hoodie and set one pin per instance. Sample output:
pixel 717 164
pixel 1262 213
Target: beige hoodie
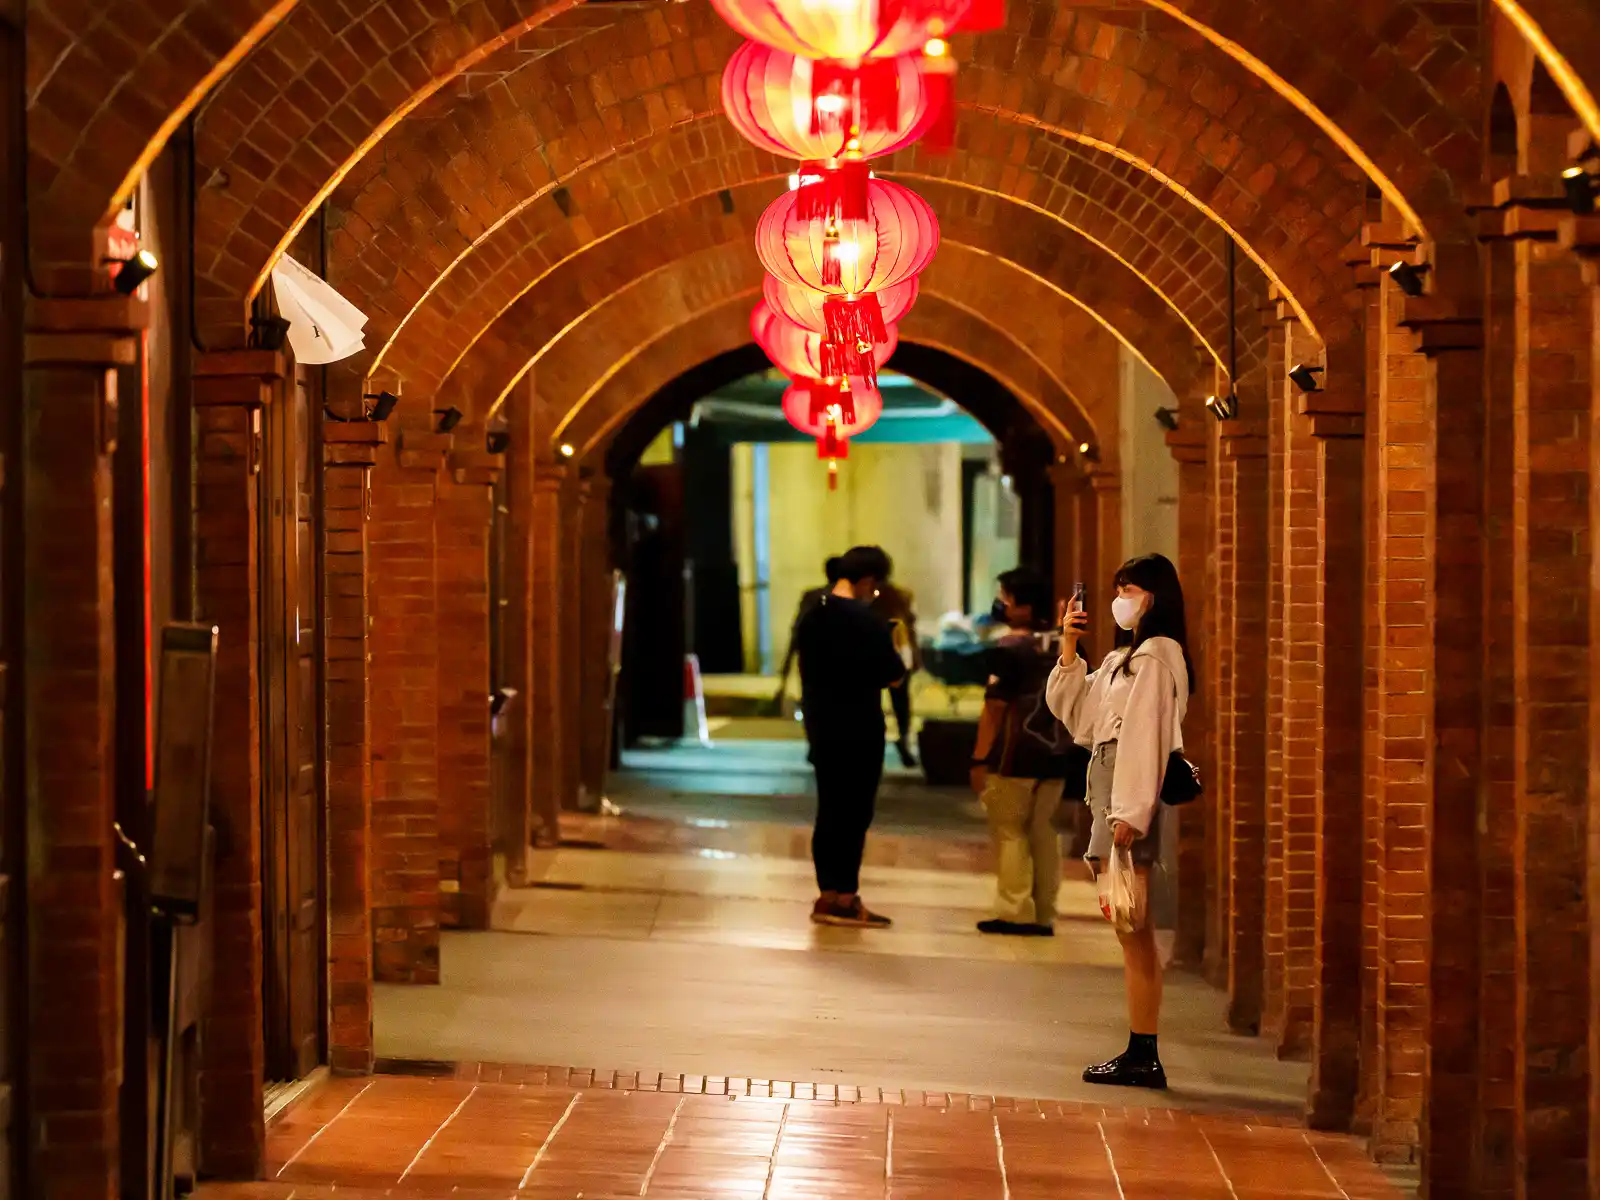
pixel 1142 711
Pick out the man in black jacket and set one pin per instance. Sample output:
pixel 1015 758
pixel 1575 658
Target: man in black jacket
pixel 847 658
pixel 808 600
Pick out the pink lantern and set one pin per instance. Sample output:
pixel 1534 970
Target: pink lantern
pixel 840 257
pixel 839 318
pixel 802 353
pixel 814 406
pixel 794 107
pixel 845 31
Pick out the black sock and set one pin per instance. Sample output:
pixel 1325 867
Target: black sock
pixel 1142 1048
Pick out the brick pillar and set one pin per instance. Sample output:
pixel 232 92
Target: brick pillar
pixel 1241 712
pixel 595 622
pixel 350 450
pixel 570 580
pixel 74 1025
pixel 1550 628
pixel 1273 917
pixel 1087 570
pixel 515 823
pixel 465 511
pixel 230 391
pixel 1196 882
pixel 1064 486
pixel 1328 610
pixel 1108 538
pixel 548 748
pixel 1216 683
pixel 405 741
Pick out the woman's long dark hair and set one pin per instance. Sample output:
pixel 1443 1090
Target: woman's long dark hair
pixel 1154 573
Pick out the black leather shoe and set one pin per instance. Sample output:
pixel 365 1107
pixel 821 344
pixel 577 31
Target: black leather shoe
pixel 1016 928
pixel 1123 1071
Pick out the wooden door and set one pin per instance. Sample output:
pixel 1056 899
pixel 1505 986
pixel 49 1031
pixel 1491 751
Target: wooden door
pixel 291 824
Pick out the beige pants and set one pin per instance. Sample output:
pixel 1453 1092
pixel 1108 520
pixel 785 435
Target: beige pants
pixel 1027 850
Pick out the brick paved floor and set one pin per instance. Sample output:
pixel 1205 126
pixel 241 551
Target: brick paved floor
pixel 359 1139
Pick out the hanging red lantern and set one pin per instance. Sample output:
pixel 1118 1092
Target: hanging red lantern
pixel 800 352
pixel 794 107
pixel 813 406
pixel 845 31
pixel 896 241
pixel 841 318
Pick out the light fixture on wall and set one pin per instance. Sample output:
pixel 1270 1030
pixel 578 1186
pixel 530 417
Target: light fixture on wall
pixel 1223 408
pixel 1304 377
pixel 499 699
pixel 384 408
pixel 131 272
pixel 449 418
pixel 1580 188
pixel 269 333
pixel 1090 452
pixel 1408 277
pixel 567 450
pixel 1167 419
pixel 498 442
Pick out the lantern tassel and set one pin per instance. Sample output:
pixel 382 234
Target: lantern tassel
pixel 939 76
pixel 857 320
pixel 840 193
pixel 878 95
pixel 833 476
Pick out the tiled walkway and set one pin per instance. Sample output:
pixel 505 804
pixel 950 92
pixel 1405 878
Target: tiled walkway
pixel 389 1136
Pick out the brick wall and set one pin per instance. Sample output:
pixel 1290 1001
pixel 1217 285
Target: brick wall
pixel 549 751
pixel 1217 681
pixel 405 737
pixel 1273 920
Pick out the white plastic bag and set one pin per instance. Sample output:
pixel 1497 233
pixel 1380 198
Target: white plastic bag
pixel 1125 893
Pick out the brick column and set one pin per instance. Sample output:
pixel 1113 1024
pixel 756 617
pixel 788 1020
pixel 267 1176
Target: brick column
pixel 515 825
pixel 230 391
pixel 548 748
pixel 1195 824
pixel 72 350
pixel 1241 711
pixel 570 580
pixel 1108 539
pixel 1324 699
pixel 350 450
pixel 464 514
pixel 1273 918
pixel 595 619
pixel 1064 487
pixel 1087 569
pixel 1216 683
pixel 405 740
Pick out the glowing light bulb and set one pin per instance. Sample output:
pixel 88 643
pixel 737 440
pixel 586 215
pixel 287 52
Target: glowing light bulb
pixel 936 48
pixel 830 105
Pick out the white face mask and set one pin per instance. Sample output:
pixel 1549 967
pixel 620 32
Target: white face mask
pixel 1125 610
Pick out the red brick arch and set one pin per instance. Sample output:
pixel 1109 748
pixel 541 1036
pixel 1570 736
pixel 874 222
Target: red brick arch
pixel 1186 143
pixel 936 322
pixel 438 318
pixel 1071 284
pixel 107 84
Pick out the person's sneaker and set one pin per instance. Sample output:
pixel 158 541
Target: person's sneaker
pixel 852 914
pixel 908 760
pixel 1016 928
pixel 1123 1071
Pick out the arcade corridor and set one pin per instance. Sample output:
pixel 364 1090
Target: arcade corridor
pixel 361 371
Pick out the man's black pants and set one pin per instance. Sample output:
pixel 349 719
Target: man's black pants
pixel 847 795
pixel 900 699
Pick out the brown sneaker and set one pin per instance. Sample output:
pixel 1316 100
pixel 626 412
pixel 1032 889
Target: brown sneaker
pixel 850 914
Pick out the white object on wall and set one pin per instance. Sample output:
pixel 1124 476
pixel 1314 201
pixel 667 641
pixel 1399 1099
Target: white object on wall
pixel 324 327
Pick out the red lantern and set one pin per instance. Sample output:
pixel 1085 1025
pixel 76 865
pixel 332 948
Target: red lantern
pixel 846 31
pixel 897 240
pixel 791 106
pixel 838 318
pixel 814 406
pixel 799 352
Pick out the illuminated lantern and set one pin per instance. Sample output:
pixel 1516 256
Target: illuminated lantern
pixel 769 98
pixel 814 406
pixel 845 31
pixel 896 241
pixel 801 353
pixel 840 318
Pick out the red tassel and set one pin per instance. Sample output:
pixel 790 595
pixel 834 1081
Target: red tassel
pixel 878 94
pixel 841 193
pixel 832 271
pixel 858 320
pixel 983 16
pixel 833 359
pixel 939 76
pixel 824 397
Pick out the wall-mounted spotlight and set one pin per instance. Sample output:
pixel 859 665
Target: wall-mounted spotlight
pixel 1304 377
pixel 269 333
pixel 1223 408
pixel 499 699
pixel 498 442
pixel 1167 419
pixel 1408 277
pixel 134 271
pixel 384 408
pixel 1089 451
pixel 1580 188
pixel 567 450
pixel 449 418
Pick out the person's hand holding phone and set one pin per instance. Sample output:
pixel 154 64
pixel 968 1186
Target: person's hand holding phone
pixel 1074 624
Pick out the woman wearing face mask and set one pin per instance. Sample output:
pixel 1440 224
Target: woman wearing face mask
pixel 1130 714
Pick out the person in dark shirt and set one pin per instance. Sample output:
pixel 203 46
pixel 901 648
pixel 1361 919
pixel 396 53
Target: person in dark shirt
pixel 1020 763
pixel 808 601
pixel 897 606
pixel 847 658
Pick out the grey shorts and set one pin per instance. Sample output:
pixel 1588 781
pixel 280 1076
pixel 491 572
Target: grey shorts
pixel 1146 850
